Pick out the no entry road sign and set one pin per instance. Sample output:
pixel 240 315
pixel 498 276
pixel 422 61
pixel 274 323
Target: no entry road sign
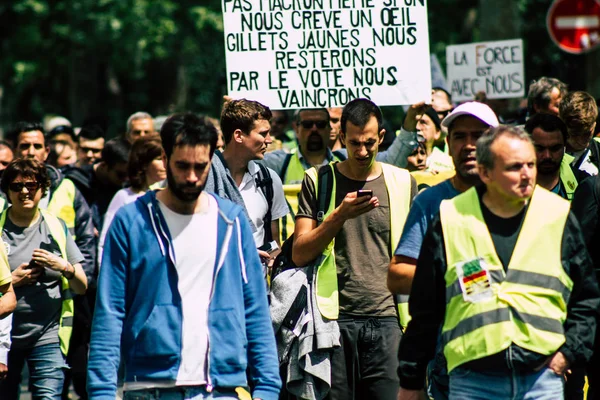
pixel 574 25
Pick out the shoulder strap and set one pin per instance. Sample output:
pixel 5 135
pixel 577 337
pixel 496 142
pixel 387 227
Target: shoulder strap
pixel 339 155
pixel 265 183
pixel 595 153
pixel 324 191
pixel 286 164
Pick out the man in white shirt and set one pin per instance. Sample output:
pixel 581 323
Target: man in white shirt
pixel 235 174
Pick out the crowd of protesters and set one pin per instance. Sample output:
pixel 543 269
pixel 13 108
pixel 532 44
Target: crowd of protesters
pixel 314 254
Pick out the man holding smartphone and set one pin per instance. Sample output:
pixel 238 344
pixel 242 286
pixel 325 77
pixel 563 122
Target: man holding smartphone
pixel 369 204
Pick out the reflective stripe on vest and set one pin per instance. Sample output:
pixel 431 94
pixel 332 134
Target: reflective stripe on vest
pixel 527 305
pixel 567 177
pixel 398 185
pixel 292 184
pixel 62 204
pixel 57 231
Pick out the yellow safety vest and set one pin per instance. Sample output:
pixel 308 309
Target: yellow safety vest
pixel 567 177
pixel 292 184
pixel 527 305
pixel 427 179
pixel 439 161
pixel 398 184
pixel 57 231
pixel 62 204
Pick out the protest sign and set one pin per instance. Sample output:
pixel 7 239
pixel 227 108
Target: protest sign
pixel 495 68
pixel 292 54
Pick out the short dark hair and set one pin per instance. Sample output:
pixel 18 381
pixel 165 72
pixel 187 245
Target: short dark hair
pixel 91 132
pixel 359 111
pixel 62 129
pixel 540 91
pixel 143 152
pixel 241 114
pixel 116 151
pixel 25 126
pixel 188 129
pixel 27 168
pixel 301 110
pixel 548 123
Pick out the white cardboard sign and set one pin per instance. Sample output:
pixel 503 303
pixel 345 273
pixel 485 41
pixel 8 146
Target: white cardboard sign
pixel 291 54
pixel 495 68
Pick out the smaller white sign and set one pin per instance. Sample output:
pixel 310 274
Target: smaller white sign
pixel 495 68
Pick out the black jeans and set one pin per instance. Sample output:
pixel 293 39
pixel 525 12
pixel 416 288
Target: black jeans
pixel 365 365
pixel 79 345
pixel 593 370
pixel 575 383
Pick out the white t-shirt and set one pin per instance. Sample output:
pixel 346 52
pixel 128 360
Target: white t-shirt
pixel 586 165
pixel 195 269
pixel 122 197
pixel 256 202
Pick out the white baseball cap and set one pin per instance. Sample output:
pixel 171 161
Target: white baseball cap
pixel 475 109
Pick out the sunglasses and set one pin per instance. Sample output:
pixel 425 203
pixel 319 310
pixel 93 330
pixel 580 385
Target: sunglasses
pixel 310 124
pixel 18 186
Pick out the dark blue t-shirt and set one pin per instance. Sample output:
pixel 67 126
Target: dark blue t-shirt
pixel 425 206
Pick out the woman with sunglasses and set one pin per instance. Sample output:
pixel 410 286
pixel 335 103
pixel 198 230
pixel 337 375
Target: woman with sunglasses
pixel 46 272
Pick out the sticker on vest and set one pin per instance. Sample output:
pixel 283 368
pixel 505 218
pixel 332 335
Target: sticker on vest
pixel 475 281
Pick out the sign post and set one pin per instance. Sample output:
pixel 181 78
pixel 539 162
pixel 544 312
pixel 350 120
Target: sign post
pixel 574 25
pixel 292 54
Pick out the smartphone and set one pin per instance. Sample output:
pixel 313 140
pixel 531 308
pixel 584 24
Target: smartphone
pixel 269 247
pixel 361 193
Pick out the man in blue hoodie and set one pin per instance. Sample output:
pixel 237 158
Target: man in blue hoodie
pixel 180 293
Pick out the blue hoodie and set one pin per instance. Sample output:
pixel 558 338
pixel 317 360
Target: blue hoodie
pixel 139 310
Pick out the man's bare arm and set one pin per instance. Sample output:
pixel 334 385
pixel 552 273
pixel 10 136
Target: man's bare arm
pixel 400 274
pixel 8 301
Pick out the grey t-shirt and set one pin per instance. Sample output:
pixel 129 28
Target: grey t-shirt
pixel 36 318
pixel 362 247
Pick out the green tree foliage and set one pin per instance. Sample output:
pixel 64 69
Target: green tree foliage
pixel 110 58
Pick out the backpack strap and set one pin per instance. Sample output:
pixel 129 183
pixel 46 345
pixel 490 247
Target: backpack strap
pixel 265 183
pixel 339 155
pixel 324 191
